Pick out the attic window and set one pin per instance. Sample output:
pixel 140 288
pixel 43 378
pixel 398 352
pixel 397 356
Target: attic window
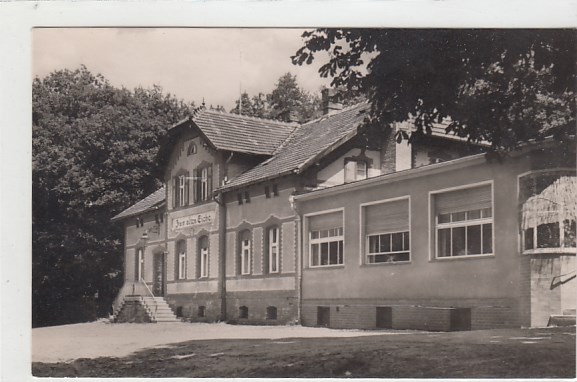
pixel 191 149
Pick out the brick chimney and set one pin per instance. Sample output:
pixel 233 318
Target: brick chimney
pixel 330 102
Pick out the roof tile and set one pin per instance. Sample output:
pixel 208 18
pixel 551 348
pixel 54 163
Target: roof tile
pixel 151 202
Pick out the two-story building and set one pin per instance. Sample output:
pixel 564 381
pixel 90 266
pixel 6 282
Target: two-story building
pixel 322 223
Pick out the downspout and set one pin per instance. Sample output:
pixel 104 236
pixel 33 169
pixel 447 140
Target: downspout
pixel 219 198
pixel 299 281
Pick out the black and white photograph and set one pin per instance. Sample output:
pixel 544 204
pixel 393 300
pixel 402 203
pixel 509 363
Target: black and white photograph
pixel 270 201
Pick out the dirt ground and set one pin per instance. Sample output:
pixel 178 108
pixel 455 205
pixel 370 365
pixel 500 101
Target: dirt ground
pixel 507 353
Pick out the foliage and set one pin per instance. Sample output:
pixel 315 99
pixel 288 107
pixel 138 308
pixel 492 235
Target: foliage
pixel 93 150
pixel 500 86
pixel 287 102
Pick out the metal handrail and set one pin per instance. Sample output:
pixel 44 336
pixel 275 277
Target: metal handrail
pixel 153 299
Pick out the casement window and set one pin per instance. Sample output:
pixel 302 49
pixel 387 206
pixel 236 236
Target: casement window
pixel 245 253
pixel 386 227
pixel 355 170
pixel 549 211
pixel 181 260
pixel 180 190
pixel 464 222
pixel 139 268
pixel 202 184
pixel 326 239
pixel 202 263
pixel 273 257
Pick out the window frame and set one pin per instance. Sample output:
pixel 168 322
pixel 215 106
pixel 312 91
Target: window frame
pixel 364 236
pixel 181 259
pixel 245 253
pixel 203 257
pixel 355 171
pixel 328 239
pixel 563 248
pixel 273 245
pixel 139 259
pixel 434 230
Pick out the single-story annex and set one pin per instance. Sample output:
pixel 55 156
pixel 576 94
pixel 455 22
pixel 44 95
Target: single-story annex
pixel 267 222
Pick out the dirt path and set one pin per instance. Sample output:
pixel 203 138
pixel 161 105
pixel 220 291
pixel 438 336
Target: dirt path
pixel 514 353
pixel 100 339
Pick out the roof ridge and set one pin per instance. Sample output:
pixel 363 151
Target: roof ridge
pixel 326 116
pixel 275 121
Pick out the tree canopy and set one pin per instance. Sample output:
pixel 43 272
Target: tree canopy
pixel 287 102
pixel 93 152
pixel 500 86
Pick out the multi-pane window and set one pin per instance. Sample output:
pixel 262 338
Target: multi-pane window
pixel 355 170
pixel 202 183
pixel 245 253
pixel 326 239
pixel 549 211
pixel 386 226
pixel 180 188
pixel 202 257
pixel 273 250
pixel 181 259
pixel 464 222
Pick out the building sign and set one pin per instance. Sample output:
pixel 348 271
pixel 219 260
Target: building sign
pixel 193 220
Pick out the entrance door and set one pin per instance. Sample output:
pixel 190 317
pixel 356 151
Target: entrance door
pixel 158 279
pixel 323 316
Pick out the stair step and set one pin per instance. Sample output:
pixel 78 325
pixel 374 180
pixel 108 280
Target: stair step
pixel 562 320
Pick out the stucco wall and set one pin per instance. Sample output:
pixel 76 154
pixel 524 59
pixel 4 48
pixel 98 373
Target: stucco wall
pixel 491 277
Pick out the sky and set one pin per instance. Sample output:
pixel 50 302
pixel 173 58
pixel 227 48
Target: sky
pixel 193 64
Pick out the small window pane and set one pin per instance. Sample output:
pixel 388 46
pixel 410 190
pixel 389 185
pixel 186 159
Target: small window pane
pixel 475 214
pixel 314 234
pixel 341 252
pixel 529 238
pixel 334 252
pixel 315 254
pixel 444 238
pixel 324 253
pixel 458 241
pixel 340 231
pixel 458 216
pixel 397 242
pixel 385 243
pixel 548 235
pixel 474 240
pixel 487 212
pixel 324 233
pixel 404 256
pixel 444 218
pixel 374 244
pixel 569 227
pixel 487 238
pixel 406 241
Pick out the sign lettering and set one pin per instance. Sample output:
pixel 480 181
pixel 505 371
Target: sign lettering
pixel 204 218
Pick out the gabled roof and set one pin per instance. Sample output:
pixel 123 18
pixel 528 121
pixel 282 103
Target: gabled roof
pixel 239 133
pixel 306 145
pixel 152 202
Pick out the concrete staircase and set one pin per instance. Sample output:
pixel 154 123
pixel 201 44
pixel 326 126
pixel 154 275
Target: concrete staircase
pixel 139 309
pixel 159 310
pixel 565 319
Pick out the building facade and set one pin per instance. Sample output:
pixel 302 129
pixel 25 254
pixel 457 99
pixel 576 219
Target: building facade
pixel 273 223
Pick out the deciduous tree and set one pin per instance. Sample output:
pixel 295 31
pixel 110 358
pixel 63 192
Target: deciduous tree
pixel 500 86
pixel 93 152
